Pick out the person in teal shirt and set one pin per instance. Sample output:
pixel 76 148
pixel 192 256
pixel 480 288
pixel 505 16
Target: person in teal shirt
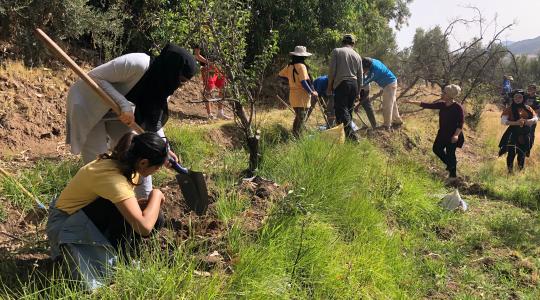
pixel 376 71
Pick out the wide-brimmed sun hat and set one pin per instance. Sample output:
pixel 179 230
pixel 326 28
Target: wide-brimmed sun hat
pixel 300 51
pixel 452 90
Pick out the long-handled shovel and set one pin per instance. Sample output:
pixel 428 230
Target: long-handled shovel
pixel 192 184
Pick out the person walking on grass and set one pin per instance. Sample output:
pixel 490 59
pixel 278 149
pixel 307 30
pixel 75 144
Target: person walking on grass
pixel 517 138
pixel 141 86
pixel 98 216
pixel 376 71
pixel 344 80
pixel 450 134
pixel 212 79
pixel 531 99
pixel 300 87
pixel 506 90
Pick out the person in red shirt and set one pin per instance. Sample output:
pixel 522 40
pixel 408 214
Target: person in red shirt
pixel 450 134
pixel 213 79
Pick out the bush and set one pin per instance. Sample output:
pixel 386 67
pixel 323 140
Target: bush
pixel 69 21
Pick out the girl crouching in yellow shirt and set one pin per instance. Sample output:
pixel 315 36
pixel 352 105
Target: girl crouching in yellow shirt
pixel 97 214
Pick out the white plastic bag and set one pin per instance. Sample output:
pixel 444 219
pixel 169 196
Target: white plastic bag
pixel 453 201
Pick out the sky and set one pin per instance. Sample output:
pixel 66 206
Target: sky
pixel 429 13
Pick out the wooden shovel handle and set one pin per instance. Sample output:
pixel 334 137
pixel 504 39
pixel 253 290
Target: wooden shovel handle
pixel 107 100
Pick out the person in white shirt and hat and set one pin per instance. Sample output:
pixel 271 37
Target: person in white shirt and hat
pixel 300 86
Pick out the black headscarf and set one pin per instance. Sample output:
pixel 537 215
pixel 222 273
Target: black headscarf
pixel 159 82
pixel 515 107
pixel 299 60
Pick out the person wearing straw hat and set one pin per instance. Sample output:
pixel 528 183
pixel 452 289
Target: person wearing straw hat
pixel 345 77
pixel 300 86
pixel 450 134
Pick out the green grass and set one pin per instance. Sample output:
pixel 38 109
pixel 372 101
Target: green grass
pixel 45 180
pixel 356 223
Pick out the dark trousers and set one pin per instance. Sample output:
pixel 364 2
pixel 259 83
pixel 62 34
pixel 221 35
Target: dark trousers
pixel 512 152
pixel 447 154
pixel 110 222
pixel 366 104
pixel 344 97
pixel 299 118
pixel 533 129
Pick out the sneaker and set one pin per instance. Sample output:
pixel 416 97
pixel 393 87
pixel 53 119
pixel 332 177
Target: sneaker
pixel 211 117
pixel 397 125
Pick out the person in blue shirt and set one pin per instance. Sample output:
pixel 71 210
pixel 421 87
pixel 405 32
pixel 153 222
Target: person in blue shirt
pixel 507 89
pixel 321 84
pixel 375 70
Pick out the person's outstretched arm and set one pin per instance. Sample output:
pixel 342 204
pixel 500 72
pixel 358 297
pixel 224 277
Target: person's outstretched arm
pixel 142 221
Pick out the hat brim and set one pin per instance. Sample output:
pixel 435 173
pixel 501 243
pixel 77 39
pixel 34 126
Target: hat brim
pixel 305 54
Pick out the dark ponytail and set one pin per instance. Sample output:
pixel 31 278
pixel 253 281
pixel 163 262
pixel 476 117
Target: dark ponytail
pixel 131 148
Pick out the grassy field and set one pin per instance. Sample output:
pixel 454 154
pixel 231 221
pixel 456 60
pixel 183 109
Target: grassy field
pixel 353 222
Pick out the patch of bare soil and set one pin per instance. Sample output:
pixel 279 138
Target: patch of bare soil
pixel 33 109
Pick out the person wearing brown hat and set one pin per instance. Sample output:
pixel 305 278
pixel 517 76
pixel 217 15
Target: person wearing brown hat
pixel 345 77
pixel 450 134
pixel 300 86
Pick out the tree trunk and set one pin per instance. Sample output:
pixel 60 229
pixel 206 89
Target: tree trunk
pixel 252 138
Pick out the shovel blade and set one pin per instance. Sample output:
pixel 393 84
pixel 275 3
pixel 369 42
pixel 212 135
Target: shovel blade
pixel 193 187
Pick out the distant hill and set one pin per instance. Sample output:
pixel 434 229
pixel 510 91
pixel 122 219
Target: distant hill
pixel 525 47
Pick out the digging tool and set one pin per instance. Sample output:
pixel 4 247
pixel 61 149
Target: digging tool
pixel 192 183
pixel 285 103
pixel 22 188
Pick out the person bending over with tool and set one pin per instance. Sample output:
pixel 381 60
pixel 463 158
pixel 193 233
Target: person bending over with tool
pixel 140 85
pixel 517 138
pixel 375 70
pixel 98 216
pixel 300 90
pixel 450 134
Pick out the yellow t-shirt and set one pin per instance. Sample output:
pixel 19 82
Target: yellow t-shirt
pixel 99 178
pixel 298 97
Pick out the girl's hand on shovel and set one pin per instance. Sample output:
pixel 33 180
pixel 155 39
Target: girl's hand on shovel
pixel 173 156
pixel 127 117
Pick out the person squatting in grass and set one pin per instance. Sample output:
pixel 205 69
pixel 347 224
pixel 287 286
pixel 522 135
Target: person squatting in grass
pixel 97 216
pixel 141 86
pixel 375 70
pixel 517 138
pixel 450 133
pixel 531 99
pixel 300 87
pixel 344 80
pixel 212 79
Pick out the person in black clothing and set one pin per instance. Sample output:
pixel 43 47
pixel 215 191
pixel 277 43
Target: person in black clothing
pixel 531 99
pixel 517 138
pixel 450 134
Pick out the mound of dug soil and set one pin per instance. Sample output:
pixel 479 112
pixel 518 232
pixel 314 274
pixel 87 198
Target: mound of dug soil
pixel 33 109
